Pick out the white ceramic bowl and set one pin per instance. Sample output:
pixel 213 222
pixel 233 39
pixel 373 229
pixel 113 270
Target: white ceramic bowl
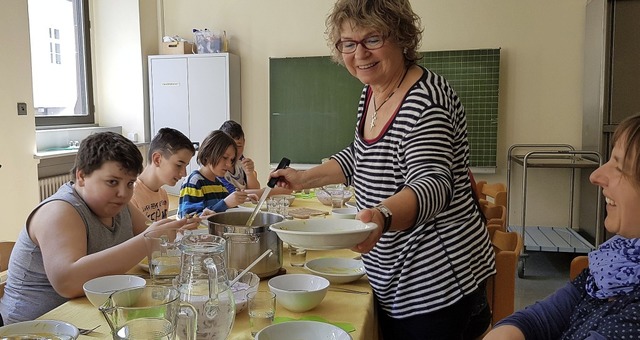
pixel 248 283
pixel 99 289
pixel 323 233
pixel 351 205
pixel 346 213
pixel 51 329
pixel 336 270
pixel 299 292
pixel 324 196
pixel 308 330
pixel 289 198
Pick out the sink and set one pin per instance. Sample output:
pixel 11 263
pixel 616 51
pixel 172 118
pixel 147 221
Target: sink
pixel 66 148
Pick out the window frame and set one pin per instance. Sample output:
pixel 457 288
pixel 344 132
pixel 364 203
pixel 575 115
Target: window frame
pixel 83 39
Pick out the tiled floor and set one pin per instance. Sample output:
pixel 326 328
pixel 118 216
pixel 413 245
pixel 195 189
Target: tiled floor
pixel 544 273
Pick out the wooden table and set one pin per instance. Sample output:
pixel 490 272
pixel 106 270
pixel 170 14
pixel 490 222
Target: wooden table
pixel 337 306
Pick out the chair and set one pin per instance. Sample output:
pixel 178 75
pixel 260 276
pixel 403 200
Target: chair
pixel 496 215
pixel 501 287
pixel 578 264
pixel 5 253
pixel 494 193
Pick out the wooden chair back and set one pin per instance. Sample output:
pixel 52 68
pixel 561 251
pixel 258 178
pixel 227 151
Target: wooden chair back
pixel 501 287
pixel 578 264
pixel 5 253
pixel 494 193
pixel 495 215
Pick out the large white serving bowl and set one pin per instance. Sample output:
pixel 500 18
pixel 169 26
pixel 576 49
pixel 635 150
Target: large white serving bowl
pixel 248 283
pixel 51 329
pixel 336 270
pixel 299 292
pixel 308 330
pixel 323 234
pixel 99 289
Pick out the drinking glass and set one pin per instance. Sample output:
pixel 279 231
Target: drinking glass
pixel 163 254
pixel 262 310
pixel 297 256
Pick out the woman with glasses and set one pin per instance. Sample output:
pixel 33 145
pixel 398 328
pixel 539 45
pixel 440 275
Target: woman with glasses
pixel 430 257
pixel 602 302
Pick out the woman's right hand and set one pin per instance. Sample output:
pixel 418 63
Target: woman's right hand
pixel 289 178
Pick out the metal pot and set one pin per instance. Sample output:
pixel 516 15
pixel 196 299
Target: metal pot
pixel 245 244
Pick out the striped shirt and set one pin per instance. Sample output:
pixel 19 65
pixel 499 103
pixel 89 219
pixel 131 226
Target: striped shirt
pixel 448 252
pixel 199 192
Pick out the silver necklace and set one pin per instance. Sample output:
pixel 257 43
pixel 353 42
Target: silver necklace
pixel 375 109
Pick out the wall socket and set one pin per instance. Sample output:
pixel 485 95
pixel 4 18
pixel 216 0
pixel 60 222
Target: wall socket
pixel 22 109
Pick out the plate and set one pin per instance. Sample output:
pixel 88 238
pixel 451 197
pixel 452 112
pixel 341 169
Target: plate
pixel 336 270
pixel 251 206
pixel 323 234
pixel 50 329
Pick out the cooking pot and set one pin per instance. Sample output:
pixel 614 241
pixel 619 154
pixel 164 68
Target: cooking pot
pixel 247 243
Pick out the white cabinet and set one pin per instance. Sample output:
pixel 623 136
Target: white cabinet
pixel 193 93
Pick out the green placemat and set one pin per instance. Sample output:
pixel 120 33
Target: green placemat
pixel 347 327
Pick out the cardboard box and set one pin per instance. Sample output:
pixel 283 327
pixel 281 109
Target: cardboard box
pixel 176 47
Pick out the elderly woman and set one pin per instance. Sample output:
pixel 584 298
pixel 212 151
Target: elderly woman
pixel 603 302
pixel 429 259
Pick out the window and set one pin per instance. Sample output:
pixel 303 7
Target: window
pixel 60 62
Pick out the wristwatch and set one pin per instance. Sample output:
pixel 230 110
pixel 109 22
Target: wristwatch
pixel 386 213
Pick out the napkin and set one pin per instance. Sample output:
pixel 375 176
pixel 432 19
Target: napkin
pixel 347 327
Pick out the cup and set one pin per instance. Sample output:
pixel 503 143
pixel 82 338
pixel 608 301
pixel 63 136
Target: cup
pixel 262 310
pixel 163 254
pixel 337 197
pixel 297 256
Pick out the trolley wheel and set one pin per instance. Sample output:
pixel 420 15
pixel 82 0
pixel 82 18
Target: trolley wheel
pixel 521 267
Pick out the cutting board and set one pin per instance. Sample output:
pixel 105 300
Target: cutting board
pixel 306 212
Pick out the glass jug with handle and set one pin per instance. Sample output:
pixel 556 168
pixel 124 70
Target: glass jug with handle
pixel 203 283
pixel 151 312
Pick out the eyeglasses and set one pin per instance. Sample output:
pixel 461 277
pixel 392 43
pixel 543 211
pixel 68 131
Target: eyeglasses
pixel 350 46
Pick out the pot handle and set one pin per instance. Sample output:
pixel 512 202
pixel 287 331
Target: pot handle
pixel 244 238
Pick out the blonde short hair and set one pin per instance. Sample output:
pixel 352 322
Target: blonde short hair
pixel 394 19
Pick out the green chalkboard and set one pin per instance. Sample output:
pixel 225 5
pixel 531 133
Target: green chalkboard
pixel 314 102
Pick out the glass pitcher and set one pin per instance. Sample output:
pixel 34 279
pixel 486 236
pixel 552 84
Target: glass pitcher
pixel 150 312
pixel 203 283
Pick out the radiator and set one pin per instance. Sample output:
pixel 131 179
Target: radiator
pixel 49 185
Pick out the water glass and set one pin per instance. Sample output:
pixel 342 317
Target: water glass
pixel 262 310
pixel 163 254
pixel 297 256
pixel 337 197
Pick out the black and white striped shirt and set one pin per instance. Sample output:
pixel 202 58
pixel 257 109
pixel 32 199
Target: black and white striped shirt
pixel 448 252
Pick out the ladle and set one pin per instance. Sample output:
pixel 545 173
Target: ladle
pixel 284 162
pixel 267 252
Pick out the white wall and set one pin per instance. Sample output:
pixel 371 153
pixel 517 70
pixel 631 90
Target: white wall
pixel 541 66
pixel 123 33
pixel 18 171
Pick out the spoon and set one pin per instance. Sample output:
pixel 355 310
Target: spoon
pixel 267 252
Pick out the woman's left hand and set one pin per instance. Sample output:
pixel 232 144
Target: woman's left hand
pixel 366 216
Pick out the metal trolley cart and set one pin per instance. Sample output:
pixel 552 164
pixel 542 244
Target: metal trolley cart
pixel 551 239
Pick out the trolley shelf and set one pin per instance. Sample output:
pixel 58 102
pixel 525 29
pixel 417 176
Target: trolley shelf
pixel 554 239
pixel 552 161
pixel 551 239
